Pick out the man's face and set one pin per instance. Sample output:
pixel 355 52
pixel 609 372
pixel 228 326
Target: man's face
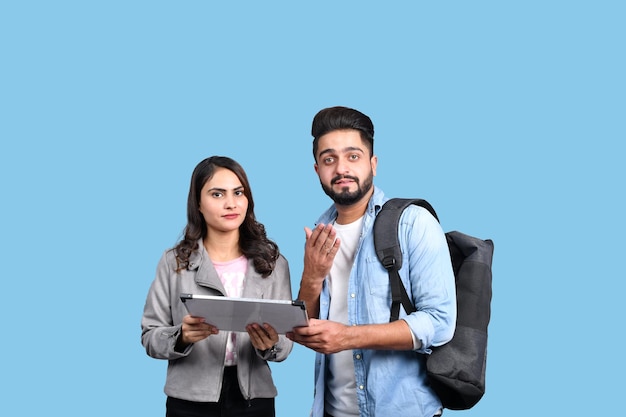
pixel 344 166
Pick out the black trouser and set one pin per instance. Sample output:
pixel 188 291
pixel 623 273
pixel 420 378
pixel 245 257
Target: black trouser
pixel 231 403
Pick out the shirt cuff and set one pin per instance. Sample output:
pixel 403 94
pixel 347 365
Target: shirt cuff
pixel 415 342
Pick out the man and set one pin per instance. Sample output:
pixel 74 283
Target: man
pixel 365 365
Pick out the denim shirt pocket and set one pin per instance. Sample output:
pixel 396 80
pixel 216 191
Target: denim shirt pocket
pixel 378 299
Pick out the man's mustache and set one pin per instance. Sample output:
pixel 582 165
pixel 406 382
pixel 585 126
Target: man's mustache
pixel 341 177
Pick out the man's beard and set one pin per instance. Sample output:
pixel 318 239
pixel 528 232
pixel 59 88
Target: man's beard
pixel 345 197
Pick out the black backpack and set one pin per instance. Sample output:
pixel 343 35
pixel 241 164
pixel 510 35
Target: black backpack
pixel 456 370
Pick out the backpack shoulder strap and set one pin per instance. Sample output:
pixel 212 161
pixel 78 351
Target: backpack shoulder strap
pixel 385 241
pixel 388 249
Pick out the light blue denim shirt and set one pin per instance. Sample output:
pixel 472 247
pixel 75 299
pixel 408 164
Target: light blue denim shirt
pixel 390 382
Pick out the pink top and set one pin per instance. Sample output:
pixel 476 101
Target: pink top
pixel 232 274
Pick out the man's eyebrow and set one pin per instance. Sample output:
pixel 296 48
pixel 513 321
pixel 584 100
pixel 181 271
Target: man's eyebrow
pixel 353 148
pixel 325 151
pixel 344 150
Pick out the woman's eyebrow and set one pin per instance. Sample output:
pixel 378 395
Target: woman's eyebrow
pixel 223 190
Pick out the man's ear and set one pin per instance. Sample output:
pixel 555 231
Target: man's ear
pixel 374 163
pixel 315 168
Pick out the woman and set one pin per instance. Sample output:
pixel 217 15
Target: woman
pixel 224 251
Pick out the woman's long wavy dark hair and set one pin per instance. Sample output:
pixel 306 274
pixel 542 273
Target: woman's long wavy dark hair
pixel 253 240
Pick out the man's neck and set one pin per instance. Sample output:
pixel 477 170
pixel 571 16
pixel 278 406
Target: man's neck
pixel 349 214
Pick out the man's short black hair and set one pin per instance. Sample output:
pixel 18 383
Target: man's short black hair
pixel 340 118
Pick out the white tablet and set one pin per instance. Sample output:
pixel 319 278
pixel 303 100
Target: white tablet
pixel 235 314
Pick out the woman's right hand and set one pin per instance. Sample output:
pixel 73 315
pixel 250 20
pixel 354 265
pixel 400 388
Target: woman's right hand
pixel 196 329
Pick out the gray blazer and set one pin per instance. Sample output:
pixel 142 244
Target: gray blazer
pixel 196 373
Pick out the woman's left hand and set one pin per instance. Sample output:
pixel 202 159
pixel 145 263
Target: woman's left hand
pixel 262 337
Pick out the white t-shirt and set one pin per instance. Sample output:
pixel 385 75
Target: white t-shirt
pixel 340 395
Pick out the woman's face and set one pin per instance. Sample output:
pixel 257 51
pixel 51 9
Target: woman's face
pixel 223 202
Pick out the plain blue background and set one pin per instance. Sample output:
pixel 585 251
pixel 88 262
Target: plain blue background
pixel 507 116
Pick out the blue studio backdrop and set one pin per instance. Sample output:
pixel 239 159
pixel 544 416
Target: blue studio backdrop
pixel 506 116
